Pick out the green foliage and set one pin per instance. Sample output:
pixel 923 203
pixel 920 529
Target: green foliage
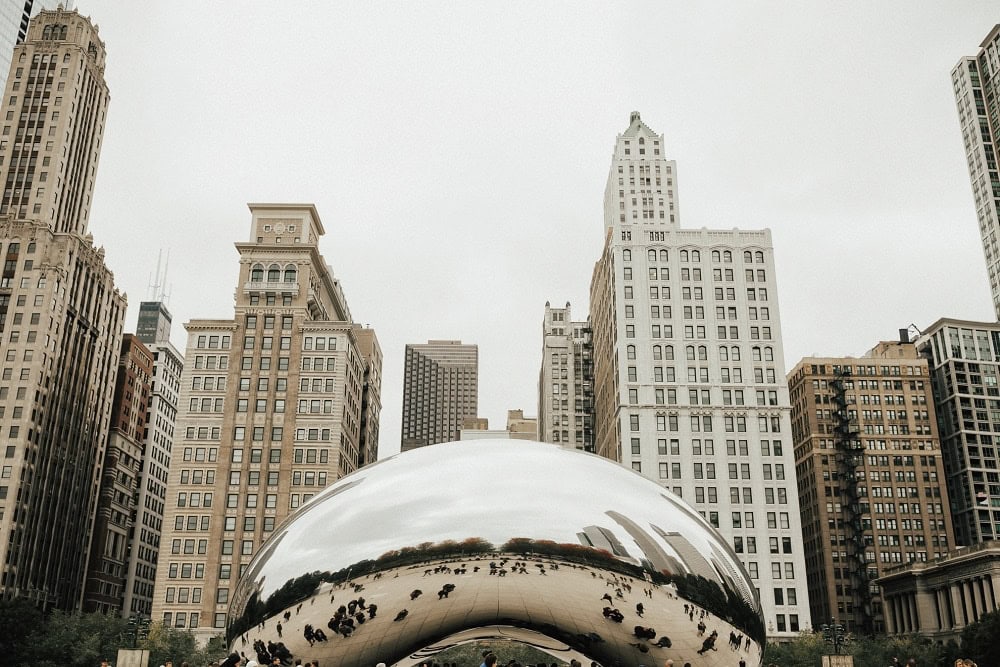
pixel 981 640
pixel 808 649
pixel 64 639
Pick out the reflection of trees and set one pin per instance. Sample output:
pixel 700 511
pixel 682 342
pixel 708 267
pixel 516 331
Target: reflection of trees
pixel 296 590
pixel 725 603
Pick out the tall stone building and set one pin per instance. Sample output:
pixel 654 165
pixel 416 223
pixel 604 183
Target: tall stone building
pixel 114 523
pixel 976 82
pixel 60 314
pixel 158 437
pixel 15 16
pixel 566 381
pixel 870 473
pixel 440 389
pixel 964 360
pixel 272 409
pixel 688 374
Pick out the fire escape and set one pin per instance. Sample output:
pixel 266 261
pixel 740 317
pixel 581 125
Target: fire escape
pixel 850 456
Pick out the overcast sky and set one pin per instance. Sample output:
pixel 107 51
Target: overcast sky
pixel 457 154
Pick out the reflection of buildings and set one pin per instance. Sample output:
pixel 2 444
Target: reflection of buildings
pixel 870 471
pixel 566 381
pixel 440 389
pixel 659 559
pixel 602 538
pixel 692 560
pixel 273 409
pixel 689 383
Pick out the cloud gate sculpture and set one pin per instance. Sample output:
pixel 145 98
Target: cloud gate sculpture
pixel 492 539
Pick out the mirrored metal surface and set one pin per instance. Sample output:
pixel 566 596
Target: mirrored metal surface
pixel 567 551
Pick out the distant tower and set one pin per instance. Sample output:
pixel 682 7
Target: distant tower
pixel 440 389
pixel 61 316
pixel 566 381
pixel 976 82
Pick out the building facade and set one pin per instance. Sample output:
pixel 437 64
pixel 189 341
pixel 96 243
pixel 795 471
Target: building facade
pixel 976 83
pixel 14 19
pixel 964 360
pixel 271 411
pixel 61 316
pixel 937 600
pixel 566 381
pixel 440 389
pixel 870 475
pixel 158 437
pixel 114 522
pixel 688 374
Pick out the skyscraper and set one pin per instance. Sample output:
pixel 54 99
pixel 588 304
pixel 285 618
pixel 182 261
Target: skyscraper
pixel 440 389
pixel 870 472
pixel 688 376
pixel 566 381
pixel 114 522
pixel 161 420
pixel 14 18
pixel 273 408
pixel 976 82
pixel 964 359
pixel 60 314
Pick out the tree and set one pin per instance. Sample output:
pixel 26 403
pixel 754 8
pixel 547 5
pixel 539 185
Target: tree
pixel 21 621
pixel 980 640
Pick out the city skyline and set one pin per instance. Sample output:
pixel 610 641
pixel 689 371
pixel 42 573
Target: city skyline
pixel 429 148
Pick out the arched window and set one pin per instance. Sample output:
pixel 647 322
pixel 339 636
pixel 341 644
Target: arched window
pixel 716 256
pixel 47 32
pixel 651 255
pixel 735 353
pixel 627 255
pixel 768 354
pixel 257 273
pixel 641 141
pixel 727 256
pixel 695 255
pixel 273 273
pixel 290 273
pixel 723 353
pixel 759 256
pixel 703 353
pixel 684 255
pixel 748 257
pixel 657 352
pixel 663 255
pixel 630 351
pixel 755 353
pixel 668 352
pixel 689 352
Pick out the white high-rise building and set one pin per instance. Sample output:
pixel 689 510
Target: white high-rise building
pixel 976 82
pixel 689 377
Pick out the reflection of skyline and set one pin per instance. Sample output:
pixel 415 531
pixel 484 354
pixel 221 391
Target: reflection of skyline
pixel 660 560
pixel 729 573
pixel 692 559
pixel 602 538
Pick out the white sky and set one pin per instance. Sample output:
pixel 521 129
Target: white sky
pixel 458 153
